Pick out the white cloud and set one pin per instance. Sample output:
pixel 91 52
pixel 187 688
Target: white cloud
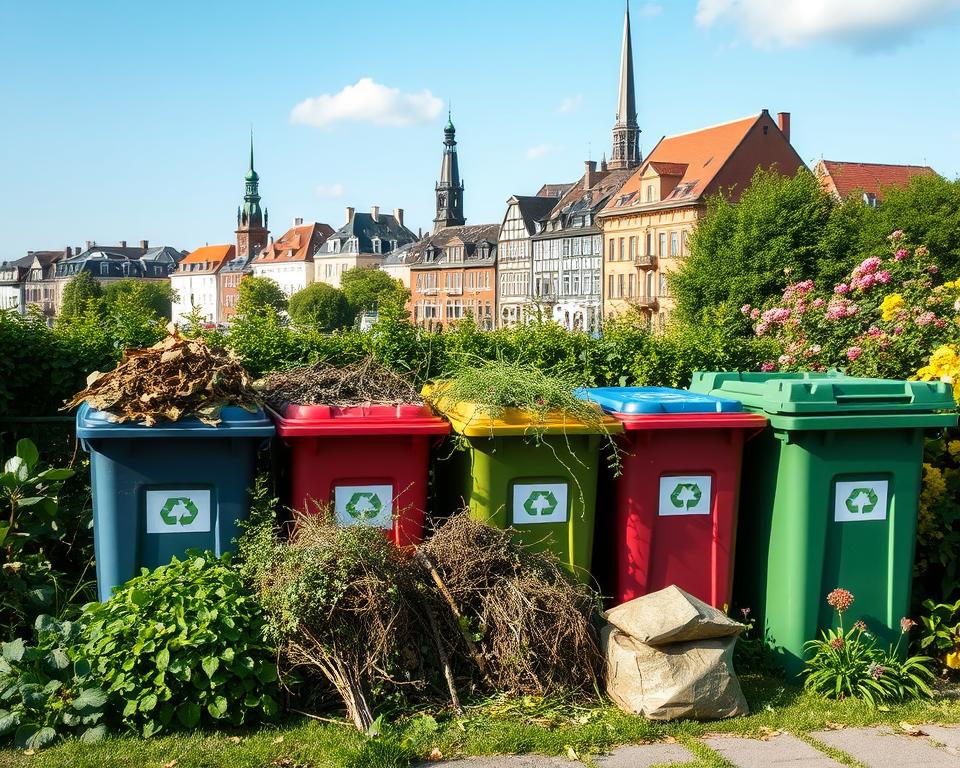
pixel 863 24
pixel 651 9
pixel 540 150
pixel 330 190
pixel 570 103
pixel 369 102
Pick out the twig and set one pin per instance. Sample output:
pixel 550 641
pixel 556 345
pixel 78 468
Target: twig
pixel 444 660
pixel 344 723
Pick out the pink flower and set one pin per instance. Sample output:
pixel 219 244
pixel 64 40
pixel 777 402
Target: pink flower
pixel 896 235
pixel 860 626
pixel 876 670
pixel 841 289
pixel 837 643
pixel 873 332
pixel 754 314
pixel 745 309
pixel 785 359
pixel 933 269
pixel 883 277
pixel 907 624
pixel 869 265
pixel 840 599
pixel 901 254
pixel 767 367
pixel 865 282
pixel 812 350
pixel 940 323
pixel 852 309
pixel 817 303
pixel 804 286
pixel 898 330
pixel 761 328
pixel 854 352
pixel 776 315
pixel 925 318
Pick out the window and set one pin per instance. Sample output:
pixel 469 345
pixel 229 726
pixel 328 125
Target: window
pixel 663 284
pixel 686 242
pixel 610 250
pixel 649 286
pixel 610 286
pixel 674 243
pixel 621 280
pixel 663 244
pixel 104 269
pixel 649 243
pixel 630 282
pixel 633 248
pixel 649 193
pixel 376 245
pixel 597 245
pixel 577 246
pixel 566 246
pixel 621 249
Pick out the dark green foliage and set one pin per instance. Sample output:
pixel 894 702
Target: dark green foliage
pixel 369 287
pixel 46 692
pixel 181 647
pixel 940 632
pixel 257 294
pixel 321 307
pixel 80 293
pixel 155 295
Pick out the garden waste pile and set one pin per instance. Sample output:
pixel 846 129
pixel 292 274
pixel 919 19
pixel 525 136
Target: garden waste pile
pixel 174 379
pixel 366 382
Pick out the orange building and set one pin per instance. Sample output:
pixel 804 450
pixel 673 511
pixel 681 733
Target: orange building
pixel 647 223
pixel 453 274
pixel 840 180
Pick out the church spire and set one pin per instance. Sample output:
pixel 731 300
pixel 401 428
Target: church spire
pixel 626 132
pixel 251 218
pixel 449 189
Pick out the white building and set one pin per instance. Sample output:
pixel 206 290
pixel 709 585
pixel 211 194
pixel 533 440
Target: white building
pixel 13 277
pixel 289 260
pixel 196 282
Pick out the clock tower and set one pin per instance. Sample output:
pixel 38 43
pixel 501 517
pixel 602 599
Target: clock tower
pixel 252 220
pixel 449 188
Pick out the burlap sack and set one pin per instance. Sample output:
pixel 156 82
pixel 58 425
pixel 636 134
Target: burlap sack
pixel 691 680
pixel 671 616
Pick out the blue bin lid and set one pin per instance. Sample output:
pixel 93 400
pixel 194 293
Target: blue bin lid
pixel 654 400
pixel 234 422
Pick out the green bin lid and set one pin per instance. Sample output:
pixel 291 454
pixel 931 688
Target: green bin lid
pixel 825 393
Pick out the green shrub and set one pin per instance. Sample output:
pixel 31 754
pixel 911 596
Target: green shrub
pixel 183 646
pixel 320 306
pixel 940 633
pixel 45 693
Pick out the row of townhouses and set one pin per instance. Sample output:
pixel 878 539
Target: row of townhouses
pixel 580 252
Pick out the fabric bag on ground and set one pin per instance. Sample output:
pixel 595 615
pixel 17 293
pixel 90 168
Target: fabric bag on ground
pixel 682 680
pixel 670 616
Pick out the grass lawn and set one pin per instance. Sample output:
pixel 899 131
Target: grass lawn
pixel 499 726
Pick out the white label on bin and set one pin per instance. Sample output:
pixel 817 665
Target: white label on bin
pixel 364 505
pixel 539 503
pixel 685 495
pixel 856 500
pixel 173 511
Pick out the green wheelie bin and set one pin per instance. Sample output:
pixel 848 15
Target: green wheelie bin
pixel 829 497
pixel 545 490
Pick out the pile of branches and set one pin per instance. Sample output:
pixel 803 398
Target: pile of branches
pixel 171 380
pixel 536 626
pixel 469 610
pixel 366 382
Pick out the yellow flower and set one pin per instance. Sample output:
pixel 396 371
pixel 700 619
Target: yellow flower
pixel 954 447
pixel 944 365
pixel 891 305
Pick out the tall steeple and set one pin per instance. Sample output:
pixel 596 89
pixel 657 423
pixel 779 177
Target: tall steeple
pixel 252 220
pixel 626 132
pixel 449 188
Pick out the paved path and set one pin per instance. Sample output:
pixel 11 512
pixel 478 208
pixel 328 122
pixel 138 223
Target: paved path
pixel 881 747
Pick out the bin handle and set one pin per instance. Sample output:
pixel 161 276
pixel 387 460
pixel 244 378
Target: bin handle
pixel 865 398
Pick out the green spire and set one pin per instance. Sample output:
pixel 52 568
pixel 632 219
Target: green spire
pixel 251 174
pixel 449 125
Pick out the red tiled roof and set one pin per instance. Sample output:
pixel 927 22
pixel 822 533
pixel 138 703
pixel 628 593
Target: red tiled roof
pixel 215 256
pixel 847 178
pixel 299 243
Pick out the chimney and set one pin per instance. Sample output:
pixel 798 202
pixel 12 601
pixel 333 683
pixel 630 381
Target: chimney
pixel 90 244
pixel 144 244
pixel 375 212
pixel 589 173
pixel 68 252
pixel 298 221
pixel 783 123
pixel 123 243
pixel 398 215
pixel 349 214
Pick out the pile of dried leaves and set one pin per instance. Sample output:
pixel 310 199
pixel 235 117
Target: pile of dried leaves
pixel 323 384
pixel 169 381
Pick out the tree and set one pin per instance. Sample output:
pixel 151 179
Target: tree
pixel 259 293
pixel 81 293
pixel 156 295
pixel 320 306
pixel 745 252
pixel 369 287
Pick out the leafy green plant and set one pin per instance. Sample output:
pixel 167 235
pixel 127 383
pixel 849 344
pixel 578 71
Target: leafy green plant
pixel 28 523
pixel 46 692
pixel 940 635
pixel 848 663
pixel 183 646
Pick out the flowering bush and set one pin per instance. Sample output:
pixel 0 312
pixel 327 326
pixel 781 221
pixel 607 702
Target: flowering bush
pixel 849 663
pixel 882 320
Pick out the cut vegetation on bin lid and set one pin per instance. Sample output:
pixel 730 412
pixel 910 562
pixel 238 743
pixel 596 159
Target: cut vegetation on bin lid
pixel 366 382
pixel 172 380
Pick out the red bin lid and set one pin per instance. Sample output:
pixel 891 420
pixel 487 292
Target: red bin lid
pixel 366 419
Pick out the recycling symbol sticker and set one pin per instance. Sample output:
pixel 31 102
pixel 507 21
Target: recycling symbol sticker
pixel 537 503
pixel 178 511
pixel 364 505
pixel 858 500
pixel 685 495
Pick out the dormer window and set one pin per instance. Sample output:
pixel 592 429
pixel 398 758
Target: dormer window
pixel 649 193
pixel 333 246
pixel 393 245
pixel 376 245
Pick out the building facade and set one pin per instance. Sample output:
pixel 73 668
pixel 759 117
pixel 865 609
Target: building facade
pixel 647 224
pixel 365 240
pixel 289 259
pixel 515 256
pixel 841 179
pixel 454 275
pixel 13 276
pixel 196 282
pixel 397 263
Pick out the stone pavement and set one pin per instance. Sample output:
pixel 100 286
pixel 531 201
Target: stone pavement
pixel 879 747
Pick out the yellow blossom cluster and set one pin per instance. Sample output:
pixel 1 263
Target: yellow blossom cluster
pixel 891 306
pixel 944 365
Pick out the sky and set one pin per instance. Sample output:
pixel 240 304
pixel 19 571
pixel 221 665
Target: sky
pixel 131 120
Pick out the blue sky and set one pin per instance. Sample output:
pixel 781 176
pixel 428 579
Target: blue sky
pixel 130 120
